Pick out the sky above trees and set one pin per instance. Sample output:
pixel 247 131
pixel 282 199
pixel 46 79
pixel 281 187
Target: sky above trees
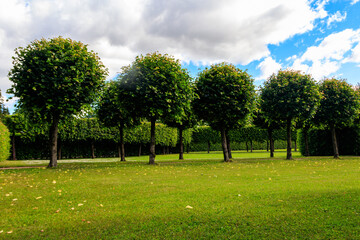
pixel 318 37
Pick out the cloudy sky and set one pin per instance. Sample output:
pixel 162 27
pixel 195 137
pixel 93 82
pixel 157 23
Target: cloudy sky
pixel 320 37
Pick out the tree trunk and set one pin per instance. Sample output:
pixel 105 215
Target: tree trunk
pixel 224 146
pixel 251 146
pixel 139 149
pixel 208 146
pixel 122 147
pixel 288 131
pixel 181 153
pixel 228 144
pixel 92 150
pixel 247 146
pixel 306 139
pixel 334 142
pixel 59 149
pixel 152 142
pixel 13 146
pixel 53 134
pixel 271 140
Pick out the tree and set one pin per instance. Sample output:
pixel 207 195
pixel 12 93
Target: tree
pixel 339 107
pixel 115 110
pixel 226 95
pixel 187 121
pixel 159 87
pixel 54 79
pixel 287 96
pixel 4 111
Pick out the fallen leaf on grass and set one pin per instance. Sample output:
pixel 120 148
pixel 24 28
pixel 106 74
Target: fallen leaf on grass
pixel 10 232
pixel 1 231
pixel 38 198
pixel 189 207
pixel 54 182
pixel 80 204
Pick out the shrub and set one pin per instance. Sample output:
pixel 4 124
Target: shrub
pixel 4 142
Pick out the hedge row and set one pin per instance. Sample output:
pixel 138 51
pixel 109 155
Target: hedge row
pixel 320 143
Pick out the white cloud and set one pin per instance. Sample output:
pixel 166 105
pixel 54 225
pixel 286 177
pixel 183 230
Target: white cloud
pixel 200 31
pixel 327 58
pixel 268 67
pixel 354 2
pixel 336 17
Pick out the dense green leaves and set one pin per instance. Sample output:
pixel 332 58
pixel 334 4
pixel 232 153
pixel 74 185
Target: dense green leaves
pixel 226 95
pixel 4 142
pixel 55 77
pixel 339 105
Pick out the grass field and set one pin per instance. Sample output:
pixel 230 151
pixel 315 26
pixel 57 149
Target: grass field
pixel 200 198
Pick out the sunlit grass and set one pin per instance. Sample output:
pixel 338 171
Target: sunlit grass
pixel 252 198
pixel 214 155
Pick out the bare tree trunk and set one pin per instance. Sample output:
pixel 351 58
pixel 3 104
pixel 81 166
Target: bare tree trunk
pixel 224 146
pixel 152 142
pixel 122 147
pixel 271 140
pixel 228 144
pixel 139 149
pixel 288 131
pixel 306 139
pixel 92 149
pixel 208 146
pixel 54 128
pixel 59 149
pixel 13 146
pixel 181 153
pixel 334 142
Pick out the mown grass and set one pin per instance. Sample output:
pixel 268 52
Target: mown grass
pixel 214 155
pixel 310 198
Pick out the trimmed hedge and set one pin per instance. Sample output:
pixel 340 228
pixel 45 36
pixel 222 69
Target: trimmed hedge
pixel 4 142
pixel 320 143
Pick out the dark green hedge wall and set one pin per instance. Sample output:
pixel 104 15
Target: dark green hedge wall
pixel 320 143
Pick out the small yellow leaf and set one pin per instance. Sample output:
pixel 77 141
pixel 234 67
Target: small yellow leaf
pixel 80 204
pixel 38 197
pixel 189 207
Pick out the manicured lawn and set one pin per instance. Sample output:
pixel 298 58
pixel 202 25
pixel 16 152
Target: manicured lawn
pixel 310 198
pixel 215 155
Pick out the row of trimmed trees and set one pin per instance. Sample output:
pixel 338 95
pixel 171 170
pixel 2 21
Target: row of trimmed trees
pixel 56 79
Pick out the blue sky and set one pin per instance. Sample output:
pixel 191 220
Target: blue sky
pixel 319 37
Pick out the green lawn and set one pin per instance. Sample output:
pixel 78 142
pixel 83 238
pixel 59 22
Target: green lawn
pixel 251 198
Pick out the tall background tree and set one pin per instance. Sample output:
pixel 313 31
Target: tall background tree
pixel 225 97
pixel 55 79
pixel 115 110
pixel 286 96
pixel 159 86
pixel 339 107
pixel 188 120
